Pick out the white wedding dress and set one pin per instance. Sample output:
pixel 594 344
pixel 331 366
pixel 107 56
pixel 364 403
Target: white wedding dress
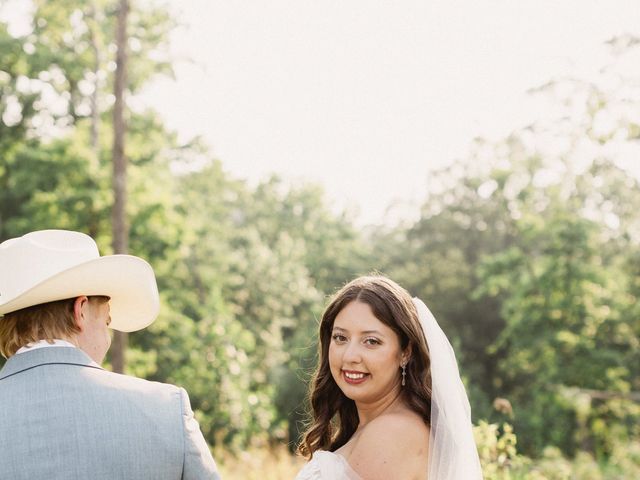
pixel 327 465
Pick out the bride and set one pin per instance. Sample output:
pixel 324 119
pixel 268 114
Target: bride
pixel 387 399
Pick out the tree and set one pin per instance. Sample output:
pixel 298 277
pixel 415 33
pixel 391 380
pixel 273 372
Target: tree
pixel 69 53
pixel 119 222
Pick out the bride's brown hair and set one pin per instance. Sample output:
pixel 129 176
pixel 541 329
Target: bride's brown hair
pixel 335 418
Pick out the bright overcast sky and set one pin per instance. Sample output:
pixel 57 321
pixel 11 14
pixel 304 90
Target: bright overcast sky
pixel 366 96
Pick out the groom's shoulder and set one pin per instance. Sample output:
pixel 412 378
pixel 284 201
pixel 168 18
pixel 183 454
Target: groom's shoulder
pixel 136 387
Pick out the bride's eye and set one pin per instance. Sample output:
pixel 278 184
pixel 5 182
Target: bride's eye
pixel 339 338
pixel 372 341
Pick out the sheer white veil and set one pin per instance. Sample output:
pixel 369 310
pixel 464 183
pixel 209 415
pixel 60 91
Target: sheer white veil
pixel 452 450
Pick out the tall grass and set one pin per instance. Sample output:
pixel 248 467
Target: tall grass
pixel 275 463
pixel 498 455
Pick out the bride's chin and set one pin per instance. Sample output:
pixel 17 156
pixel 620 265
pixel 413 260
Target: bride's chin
pixel 355 398
pixel 351 392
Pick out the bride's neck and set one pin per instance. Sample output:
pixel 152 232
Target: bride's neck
pixel 369 411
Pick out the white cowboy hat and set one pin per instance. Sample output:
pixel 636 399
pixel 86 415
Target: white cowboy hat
pixel 50 265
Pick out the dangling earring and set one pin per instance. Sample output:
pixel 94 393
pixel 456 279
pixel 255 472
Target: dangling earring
pixel 404 373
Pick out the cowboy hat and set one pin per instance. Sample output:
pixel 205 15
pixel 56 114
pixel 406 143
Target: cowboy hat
pixel 49 265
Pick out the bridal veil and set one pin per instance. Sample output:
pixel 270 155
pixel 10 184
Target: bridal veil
pixel 452 450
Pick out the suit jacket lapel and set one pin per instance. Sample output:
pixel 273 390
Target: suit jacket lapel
pixel 46 356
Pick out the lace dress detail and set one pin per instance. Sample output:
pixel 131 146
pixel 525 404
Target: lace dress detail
pixel 327 466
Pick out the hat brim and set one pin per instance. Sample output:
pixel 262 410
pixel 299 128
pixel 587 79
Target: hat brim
pixel 129 281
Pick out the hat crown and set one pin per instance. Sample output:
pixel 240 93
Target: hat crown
pixel 37 256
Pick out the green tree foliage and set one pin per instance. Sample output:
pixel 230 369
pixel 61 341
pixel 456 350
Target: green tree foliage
pixel 436 259
pixel 560 330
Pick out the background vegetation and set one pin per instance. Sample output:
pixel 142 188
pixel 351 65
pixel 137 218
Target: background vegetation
pixel 527 251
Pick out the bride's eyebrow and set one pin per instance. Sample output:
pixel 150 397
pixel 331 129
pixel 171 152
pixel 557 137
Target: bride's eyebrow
pixel 373 332
pixel 364 332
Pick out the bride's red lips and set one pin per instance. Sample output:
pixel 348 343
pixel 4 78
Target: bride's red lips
pixel 354 377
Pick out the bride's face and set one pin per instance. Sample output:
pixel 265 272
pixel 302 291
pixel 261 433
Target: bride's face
pixel 364 354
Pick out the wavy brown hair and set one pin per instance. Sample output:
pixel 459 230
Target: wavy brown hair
pixel 334 415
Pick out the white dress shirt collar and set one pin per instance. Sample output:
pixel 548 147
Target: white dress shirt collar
pixel 44 344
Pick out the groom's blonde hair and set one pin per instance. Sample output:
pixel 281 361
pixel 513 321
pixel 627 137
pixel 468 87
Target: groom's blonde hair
pixel 47 321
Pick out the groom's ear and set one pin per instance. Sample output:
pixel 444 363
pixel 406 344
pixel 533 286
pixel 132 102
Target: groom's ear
pixel 79 306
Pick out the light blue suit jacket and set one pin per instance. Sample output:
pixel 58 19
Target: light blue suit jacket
pixel 63 417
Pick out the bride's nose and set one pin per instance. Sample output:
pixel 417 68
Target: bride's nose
pixel 352 353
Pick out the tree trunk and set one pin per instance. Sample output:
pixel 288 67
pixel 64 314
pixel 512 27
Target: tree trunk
pixel 94 38
pixel 120 228
pixel 94 17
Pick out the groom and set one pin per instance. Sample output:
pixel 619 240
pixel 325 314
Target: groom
pixel 61 415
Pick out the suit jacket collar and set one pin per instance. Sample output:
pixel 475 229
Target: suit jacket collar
pixel 46 356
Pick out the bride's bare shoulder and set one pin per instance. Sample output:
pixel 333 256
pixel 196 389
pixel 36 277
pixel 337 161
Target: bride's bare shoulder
pixel 404 426
pixel 394 445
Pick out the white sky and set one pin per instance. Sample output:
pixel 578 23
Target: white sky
pixel 366 96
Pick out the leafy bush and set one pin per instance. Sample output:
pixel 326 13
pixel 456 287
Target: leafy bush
pixel 501 461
